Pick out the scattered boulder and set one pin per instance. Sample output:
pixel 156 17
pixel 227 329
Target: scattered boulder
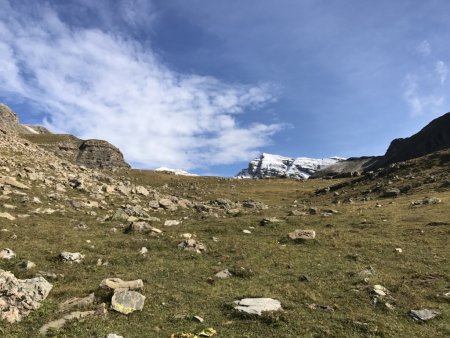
pixel 302 234
pixel 7 215
pixel 27 265
pixel 296 213
pixel 126 302
pixel 256 306
pixel 224 274
pixel 12 182
pixel 77 303
pixel 117 283
pixel 426 201
pixel 192 245
pixel 250 204
pixel 113 335
pixel 313 211
pixel 71 257
pixel 18 297
pixel 143 251
pixel 167 204
pixel 424 314
pixel 143 227
pixel 169 223
pixel 76 315
pixel 7 254
pixel 270 221
pixel 391 192
pixel 142 191
pixel 380 290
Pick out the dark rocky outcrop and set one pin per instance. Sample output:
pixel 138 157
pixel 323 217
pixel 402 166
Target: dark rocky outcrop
pixel 434 137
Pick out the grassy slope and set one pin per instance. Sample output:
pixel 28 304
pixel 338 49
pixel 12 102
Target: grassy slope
pixel 176 282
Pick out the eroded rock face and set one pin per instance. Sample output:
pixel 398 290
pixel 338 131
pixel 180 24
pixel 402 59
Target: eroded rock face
pixel 100 154
pixel 9 121
pixel 18 297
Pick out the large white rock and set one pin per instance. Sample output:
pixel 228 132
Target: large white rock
pixel 256 306
pixel 268 165
pixel 18 297
pixel 7 254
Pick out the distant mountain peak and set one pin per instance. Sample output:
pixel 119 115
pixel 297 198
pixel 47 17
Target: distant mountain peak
pixel 180 172
pixel 270 165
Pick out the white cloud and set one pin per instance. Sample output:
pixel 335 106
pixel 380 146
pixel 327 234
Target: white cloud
pixel 419 102
pixel 441 70
pixel 424 48
pixel 98 84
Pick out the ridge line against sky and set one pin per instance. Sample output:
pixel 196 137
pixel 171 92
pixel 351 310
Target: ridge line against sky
pixel 206 86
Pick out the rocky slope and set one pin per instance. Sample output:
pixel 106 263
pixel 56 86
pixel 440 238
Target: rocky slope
pixel 116 247
pixel 269 165
pixel 89 153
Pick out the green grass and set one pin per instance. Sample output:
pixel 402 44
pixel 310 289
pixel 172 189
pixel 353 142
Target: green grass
pixel 178 286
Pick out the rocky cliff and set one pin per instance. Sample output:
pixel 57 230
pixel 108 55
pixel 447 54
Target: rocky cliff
pixel 433 137
pixel 100 154
pixel 88 153
pixel 268 165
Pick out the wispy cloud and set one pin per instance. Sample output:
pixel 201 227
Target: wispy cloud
pixel 96 83
pixel 441 70
pixel 424 48
pixel 424 88
pixel 419 102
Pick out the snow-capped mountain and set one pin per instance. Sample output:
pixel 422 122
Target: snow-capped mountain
pixel 176 171
pixel 268 165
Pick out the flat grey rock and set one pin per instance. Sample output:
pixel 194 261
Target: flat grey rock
pixel 423 314
pixel 256 306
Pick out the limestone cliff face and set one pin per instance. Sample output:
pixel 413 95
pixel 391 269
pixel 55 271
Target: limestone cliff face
pixel 88 153
pixel 100 154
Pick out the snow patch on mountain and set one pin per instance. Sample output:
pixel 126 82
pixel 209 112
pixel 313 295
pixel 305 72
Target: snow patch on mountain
pixel 175 171
pixel 269 165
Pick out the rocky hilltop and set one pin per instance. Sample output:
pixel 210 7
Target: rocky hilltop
pixel 88 153
pixel 433 137
pixel 268 165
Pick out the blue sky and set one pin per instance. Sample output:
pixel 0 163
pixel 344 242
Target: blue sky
pixel 207 85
